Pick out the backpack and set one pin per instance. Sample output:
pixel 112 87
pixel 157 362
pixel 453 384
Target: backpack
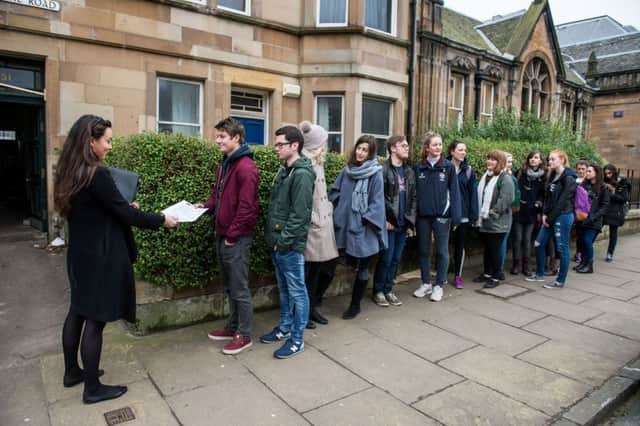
pixel 515 205
pixel 582 205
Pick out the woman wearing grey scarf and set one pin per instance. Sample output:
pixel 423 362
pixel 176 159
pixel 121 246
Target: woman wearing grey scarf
pixel 359 214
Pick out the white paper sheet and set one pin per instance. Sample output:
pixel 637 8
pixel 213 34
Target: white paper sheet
pixel 184 211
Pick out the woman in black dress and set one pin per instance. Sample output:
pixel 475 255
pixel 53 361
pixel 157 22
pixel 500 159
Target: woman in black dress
pixel 101 251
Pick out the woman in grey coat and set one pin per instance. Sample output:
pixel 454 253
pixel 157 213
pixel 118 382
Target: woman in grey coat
pixel 359 214
pixel 495 195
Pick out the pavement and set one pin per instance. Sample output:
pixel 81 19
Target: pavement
pixel 515 355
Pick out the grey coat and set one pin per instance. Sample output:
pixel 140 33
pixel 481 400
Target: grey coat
pixel 499 220
pixel 321 240
pixel 359 235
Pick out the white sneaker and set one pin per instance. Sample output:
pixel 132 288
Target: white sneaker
pixel 423 290
pixel 436 295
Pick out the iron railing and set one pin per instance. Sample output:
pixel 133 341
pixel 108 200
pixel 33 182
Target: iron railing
pixel 633 176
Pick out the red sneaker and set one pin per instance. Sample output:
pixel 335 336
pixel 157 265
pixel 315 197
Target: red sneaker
pixel 223 334
pixel 237 345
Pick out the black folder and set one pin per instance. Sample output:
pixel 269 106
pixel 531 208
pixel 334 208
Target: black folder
pixel 127 182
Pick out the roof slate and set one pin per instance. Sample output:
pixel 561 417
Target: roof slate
pixel 500 33
pixel 458 27
pixel 589 29
pixel 609 46
pixel 630 61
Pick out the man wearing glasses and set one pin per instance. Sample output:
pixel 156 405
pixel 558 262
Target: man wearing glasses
pixel 286 231
pixel 400 206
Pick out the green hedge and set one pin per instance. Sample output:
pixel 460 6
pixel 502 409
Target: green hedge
pixel 177 167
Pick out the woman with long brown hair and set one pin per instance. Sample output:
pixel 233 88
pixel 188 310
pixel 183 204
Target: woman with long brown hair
pixel 100 254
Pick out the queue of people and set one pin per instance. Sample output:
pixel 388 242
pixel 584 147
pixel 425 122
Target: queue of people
pixel 370 210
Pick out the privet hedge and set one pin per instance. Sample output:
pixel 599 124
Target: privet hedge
pixel 177 167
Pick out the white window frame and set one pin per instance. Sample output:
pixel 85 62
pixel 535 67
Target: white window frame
pixel 565 110
pixel 250 114
pixel 246 11
pixel 200 2
pixel 460 109
pixel 377 135
pixel 580 121
pixel 315 115
pixel 177 123
pixel 332 24
pixel 483 94
pixel 394 19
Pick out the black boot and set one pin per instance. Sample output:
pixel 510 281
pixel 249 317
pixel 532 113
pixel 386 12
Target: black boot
pixel 525 266
pixel 359 288
pixel 586 269
pixel 103 393
pixel 580 265
pixel 515 269
pixel 316 316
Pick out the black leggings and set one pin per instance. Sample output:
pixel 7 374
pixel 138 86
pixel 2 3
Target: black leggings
pixel 458 247
pixel 90 350
pixel 492 253
pixel 318 276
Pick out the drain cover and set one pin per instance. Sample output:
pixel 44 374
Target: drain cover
pixel 118 416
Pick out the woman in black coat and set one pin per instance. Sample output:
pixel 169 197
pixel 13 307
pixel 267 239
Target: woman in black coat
pixel 592 225
pixel 100 254
pixel 619 190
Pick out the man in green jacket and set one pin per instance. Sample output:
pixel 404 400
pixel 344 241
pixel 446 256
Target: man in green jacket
pixel 286 231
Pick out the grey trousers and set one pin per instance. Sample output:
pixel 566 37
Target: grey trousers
pixel 234 268
pixel 521 242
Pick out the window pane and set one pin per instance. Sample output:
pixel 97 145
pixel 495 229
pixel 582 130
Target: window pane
pixel 330 113
pixel 381 143
pixel 333 11
pixel 375 116
pixel 179 102
pixel 378 14
pixel 233 4
pixel 174 128
pixel 335 143
pixel 487 97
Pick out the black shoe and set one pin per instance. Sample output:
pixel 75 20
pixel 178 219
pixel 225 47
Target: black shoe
pixel 317 317
pixel 501 276
pixel 482 278
pixel 351 313
pixel 70 380
pixel 103 393
pixel 492 283
pixel 586 269
pixel 311 325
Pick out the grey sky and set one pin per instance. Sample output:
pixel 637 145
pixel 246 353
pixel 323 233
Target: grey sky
pixel 627 12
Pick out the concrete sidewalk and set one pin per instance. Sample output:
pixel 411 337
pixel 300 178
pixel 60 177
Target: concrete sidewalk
pixel 515 355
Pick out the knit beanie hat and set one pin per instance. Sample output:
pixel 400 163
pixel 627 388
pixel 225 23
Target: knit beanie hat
pixel 314 136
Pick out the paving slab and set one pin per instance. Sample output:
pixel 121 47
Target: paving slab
pixel 505 291
pixel 586 338
pixel 404 375
pixel 575 279
pixel 498 310
pixel 538 388
pixel 418 337
pixel 614 306
pixel 368 408
pixel 614 274
pixel 488 332
pixel 590 368
pixel 308 388
pixel 600 289
pixel 469 403
pixel 600 401
pixel 147 405
pixel 635 300
pixel 552 306
pixel 633 285
pixel 569 294
pixel 617 324
pixel 326 336
pixel 22 399
pixel 240 400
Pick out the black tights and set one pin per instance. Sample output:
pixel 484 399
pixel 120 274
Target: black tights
pixel 90 350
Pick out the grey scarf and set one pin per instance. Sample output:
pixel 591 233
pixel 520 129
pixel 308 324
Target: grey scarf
pixel 362 173
pixel 533 175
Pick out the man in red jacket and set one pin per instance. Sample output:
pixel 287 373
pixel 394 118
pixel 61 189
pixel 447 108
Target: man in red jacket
pixel 234 202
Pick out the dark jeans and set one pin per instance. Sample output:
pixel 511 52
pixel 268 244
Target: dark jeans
pixel 439 226
pixel 234 268
pixel 561 230
pixel 318 276
pixel 613 239
pixel 294 300
pixel 522 233
pixel 492 253
pixel 579 232
pixel 458 247
pixel 388 261
pixel 588 237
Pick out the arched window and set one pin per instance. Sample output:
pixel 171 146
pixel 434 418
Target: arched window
pixel 535 87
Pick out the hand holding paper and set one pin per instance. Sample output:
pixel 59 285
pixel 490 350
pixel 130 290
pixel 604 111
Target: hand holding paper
pixel 184 211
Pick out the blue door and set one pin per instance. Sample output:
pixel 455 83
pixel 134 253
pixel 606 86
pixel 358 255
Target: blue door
pixel 253 130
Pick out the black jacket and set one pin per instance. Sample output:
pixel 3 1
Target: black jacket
pixel 560 195
pixel 102 250
pixel 437 190
pixel 468 192
pixel 617 199
pixel 599 204
pixel 531 198
pixel 392 194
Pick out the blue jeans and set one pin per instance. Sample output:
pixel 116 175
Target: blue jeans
pixel 388 261
pixel 588 237
pixel 440 227
pixel 503 249
pixel 562 232
pixel 294 300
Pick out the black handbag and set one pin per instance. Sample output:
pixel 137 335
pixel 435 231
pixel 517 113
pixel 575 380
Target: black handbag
pixel 127 182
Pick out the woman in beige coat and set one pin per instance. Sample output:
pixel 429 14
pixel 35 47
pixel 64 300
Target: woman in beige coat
pixel 321 253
